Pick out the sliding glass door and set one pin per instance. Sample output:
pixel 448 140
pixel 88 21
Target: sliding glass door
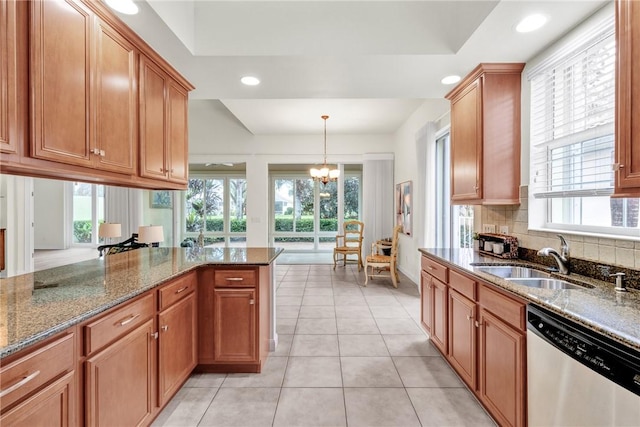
pixel 305 214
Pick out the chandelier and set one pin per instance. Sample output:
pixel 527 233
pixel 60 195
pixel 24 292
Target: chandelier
pixel 324 174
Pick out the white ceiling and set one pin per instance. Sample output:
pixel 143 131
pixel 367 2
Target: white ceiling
pixel 367 64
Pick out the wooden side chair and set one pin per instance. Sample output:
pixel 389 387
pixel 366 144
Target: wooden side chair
pixel 379 263
pixel 349 243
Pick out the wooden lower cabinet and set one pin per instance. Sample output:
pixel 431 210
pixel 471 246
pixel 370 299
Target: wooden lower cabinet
pixel 119 381
pixel 51 407
pixel 462 337
pixel 235 338
pixel 439 332
pixel 502 370
pixel 426 301
pixel 481 331
pixel 177 346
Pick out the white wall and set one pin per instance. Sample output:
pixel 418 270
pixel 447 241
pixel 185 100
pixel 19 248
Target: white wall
pixel 408 164
pixel 50 202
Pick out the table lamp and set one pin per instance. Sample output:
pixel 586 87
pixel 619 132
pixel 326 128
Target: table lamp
pixel 151 235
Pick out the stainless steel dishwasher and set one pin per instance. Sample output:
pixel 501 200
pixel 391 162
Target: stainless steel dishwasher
pixel 578 377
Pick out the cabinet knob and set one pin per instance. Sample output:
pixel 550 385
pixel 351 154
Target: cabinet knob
pixel 102 153
pixel 164 328
pixel 617 166
pixel 478 324
pixel 154 335
pixel 469 317
pixel 252 302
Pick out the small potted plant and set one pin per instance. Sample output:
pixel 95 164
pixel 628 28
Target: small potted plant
pixel 476 242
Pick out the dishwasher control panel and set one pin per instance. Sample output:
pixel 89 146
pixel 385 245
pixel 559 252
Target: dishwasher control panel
pixel 610 359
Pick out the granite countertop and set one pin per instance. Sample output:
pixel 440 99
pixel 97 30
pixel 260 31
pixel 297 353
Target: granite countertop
pixel 600 308
pixel 37 305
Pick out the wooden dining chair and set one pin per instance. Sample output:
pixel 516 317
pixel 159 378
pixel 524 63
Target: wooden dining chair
pixel 349 243
pixel 380 263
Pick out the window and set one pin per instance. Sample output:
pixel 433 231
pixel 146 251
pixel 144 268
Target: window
pixel 217 207
pixel 88 212
pixel 305 214
pixel 572 139
pixel 454 224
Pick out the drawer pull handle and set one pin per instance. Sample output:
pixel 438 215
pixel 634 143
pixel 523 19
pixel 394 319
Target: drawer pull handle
pixel 235 279
pixel 130 319
pixel 431 268
pixel 19 384
pixel 182 290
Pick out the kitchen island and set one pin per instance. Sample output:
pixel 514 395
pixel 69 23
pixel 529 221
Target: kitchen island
pixel 128 329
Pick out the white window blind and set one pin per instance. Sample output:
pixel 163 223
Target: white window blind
pixel 572 118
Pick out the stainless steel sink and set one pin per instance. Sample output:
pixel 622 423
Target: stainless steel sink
pixel 511 271
pixel 544 283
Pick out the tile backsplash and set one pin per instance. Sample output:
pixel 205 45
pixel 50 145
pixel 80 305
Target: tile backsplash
pixel 623 253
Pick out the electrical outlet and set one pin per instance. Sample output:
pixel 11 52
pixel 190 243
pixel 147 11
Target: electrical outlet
pixel 488 228
pixel 504 229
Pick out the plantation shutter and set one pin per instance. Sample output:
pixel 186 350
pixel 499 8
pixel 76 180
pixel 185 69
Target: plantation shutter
pixel 572 118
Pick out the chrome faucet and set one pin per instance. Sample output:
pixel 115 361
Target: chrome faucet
pixel 562 258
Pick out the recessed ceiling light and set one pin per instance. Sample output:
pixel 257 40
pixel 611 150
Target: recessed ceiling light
pixel 128 7
pixel 531 23
pixel 250 80
pixel 449 80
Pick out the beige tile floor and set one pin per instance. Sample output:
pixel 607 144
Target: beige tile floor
pixel 348 355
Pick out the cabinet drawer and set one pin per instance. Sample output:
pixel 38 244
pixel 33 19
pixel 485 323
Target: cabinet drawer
pixel 177 290
pixel 435 269
pixel 509 310
pixel 234 278
pixel 463 284
pixel 37 368
pixel 118 323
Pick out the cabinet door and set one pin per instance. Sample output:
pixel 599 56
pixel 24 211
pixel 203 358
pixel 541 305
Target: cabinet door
pixel 466 144
pixel 51 406
pixel 177 347
pixel 502 377
pixel 462 337
pixel 439 329
pixel 177 111
pixel 628 98
pixel 235 325
pixel 116 101
pixel 119 381
pixel 426 299
pixel 60 78
pixel 152 120
pixel 8 77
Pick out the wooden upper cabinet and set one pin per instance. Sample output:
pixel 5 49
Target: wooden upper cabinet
pixel 485 136
pixel 60 78
pixel 152 117
pixel 163 127
pixel 11 82
pixel 177 133
pixel 84 76
pixel 466 153
pixel 116 101
pixel 627 178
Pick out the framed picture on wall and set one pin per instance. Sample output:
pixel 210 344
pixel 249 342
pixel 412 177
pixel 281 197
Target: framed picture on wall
pixel 404 207
pixel 160 199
